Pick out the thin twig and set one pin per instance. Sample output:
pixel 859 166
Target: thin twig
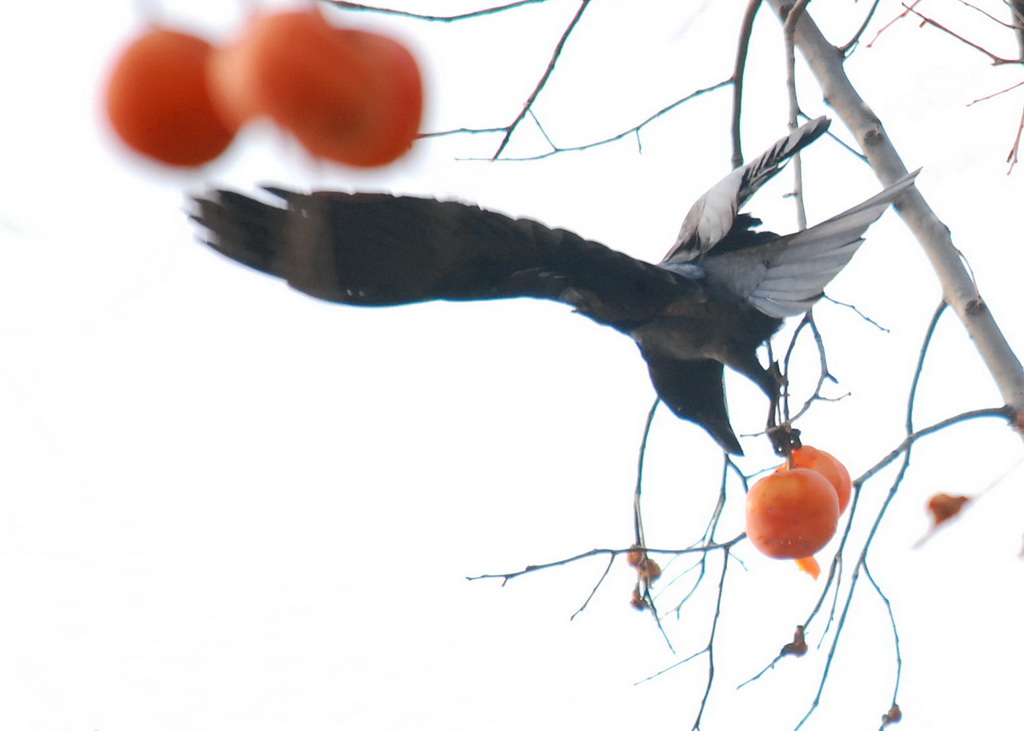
pixel 711 642
pixel 638 525
pixel 723 546
pixel 604 575
pixel 794 106
pixel 588 145
pixel 929 333
pixel 988 15
pixel 463 131
pixel 891 23
pixel 996 60
pixel 1015 150
pixel 858 312
pixel 742 48
pixel 434 18
pixel 673 666
pixel 846 50
pixel 895 633
pixel 823 373
pixel 999 412
pixel 527 106
pixel 994 94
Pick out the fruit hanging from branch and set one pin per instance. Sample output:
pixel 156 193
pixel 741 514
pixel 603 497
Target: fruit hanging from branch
pixel 828 466
pixel 792 514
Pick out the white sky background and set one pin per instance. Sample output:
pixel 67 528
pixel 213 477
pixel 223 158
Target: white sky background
pixel 224 505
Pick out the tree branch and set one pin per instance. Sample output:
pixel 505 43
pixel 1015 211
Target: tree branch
pixel 558 150
pixel 1017 12
pixel 742 49
pixel 996 60
pixel 527 106
pixel 959 289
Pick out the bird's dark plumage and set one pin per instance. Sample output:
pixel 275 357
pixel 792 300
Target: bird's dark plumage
pixel 722 290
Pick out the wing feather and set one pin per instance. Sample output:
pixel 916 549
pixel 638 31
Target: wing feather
pixel 711 218
pixel 378 250
pixel 787 276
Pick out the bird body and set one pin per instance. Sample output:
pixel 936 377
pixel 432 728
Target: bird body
pixel 722 290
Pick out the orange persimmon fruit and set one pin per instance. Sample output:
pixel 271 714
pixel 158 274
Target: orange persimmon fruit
pixel 348 96
pixel 831 468
pixel 395 108
pixel 792 513
pixel 158 102
pixel 289 66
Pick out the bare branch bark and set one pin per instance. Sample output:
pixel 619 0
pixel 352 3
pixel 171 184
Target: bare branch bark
pixel 1017 14
pixel 959 289
pixel 743 47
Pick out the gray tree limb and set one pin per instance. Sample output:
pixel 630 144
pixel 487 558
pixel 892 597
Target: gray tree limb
pixel 958 288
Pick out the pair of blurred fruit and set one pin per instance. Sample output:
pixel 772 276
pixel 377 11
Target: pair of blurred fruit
pixel 346 95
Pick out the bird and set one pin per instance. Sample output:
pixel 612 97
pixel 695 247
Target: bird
pixel 722 290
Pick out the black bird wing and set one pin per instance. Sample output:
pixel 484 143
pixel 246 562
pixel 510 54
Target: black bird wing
pixel 688 317
pixel 711 218
pixel 786 276
pixel 377 250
